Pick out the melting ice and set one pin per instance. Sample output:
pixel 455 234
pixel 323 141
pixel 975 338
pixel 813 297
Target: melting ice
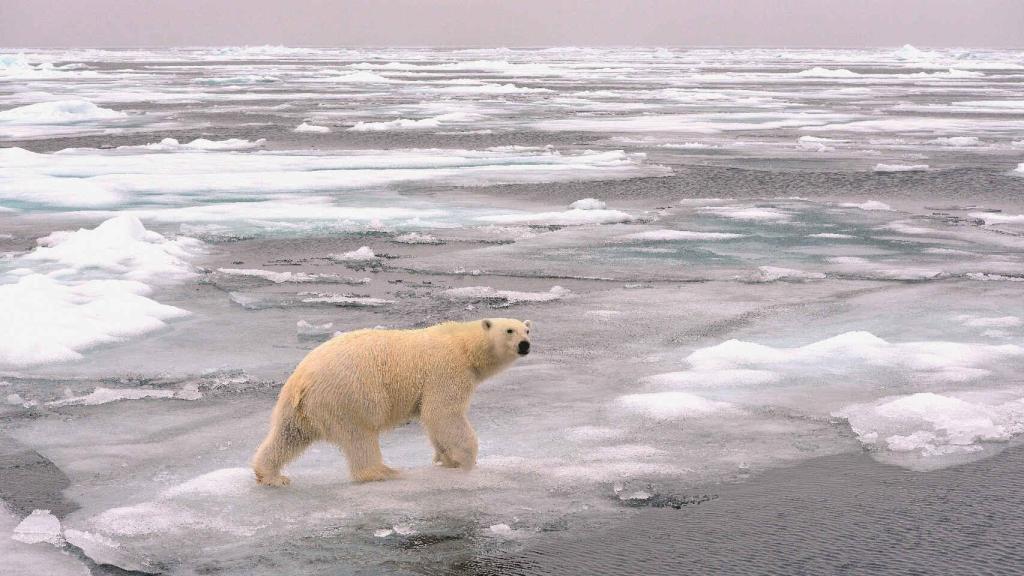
pixel 734 260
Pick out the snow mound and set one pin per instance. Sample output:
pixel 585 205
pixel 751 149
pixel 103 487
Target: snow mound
pixel 172 145
pixel 935 358
pixel 673 405
pixel 588 204
pixel 39 526
pixel 120 246
pixel 306 127
pixel 362 254
pixel 59 112
pixel 935 425
pixel 89 287
pixel 998 218
pixel 900 167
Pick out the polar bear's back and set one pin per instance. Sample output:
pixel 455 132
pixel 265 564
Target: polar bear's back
pixel 375 378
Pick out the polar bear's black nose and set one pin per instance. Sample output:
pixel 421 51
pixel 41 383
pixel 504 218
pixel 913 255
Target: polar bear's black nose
pixel 524 348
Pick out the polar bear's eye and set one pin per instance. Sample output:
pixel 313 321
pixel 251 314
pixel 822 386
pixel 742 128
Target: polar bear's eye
pixel 510 331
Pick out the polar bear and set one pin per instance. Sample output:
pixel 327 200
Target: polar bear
pixel 358 384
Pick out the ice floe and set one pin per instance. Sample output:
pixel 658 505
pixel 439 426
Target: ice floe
pixel 89 287
pixel 306 127
pixel 936 425
pixel 501 298
pixel 900 167
pixel 674 405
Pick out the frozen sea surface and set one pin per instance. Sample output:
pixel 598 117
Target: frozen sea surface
pixel 737 261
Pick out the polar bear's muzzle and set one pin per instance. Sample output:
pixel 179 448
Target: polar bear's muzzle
pixel 524 348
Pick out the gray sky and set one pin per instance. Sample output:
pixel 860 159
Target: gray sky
pixel 111 23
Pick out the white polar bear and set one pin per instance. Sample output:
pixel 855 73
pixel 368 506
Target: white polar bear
pixel 356 385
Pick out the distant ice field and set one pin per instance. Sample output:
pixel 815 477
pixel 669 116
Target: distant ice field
pixel 735 260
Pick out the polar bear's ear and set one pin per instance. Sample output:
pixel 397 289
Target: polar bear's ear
pixel 487 324
pixel 527 323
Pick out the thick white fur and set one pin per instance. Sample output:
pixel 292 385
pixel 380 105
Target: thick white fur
pixel 356 385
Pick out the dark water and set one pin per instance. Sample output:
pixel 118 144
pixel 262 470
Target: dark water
pixel 833 515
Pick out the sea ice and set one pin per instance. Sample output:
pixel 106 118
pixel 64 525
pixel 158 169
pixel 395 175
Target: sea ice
pixel 59 112
pixel 675 235
pixel 869 205
pixel 900 167
pixel 39 526
pixel 360 254
pixel 505 297
pixel 312 128
pixel 674 405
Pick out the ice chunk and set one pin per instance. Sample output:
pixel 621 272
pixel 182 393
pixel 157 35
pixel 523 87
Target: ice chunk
pixel 588 204
pixel 172 145
pixel 674 405
pixel 107 395
pixel 573 217
pixel 312 128
pixel 503 530
pixel 58 112
pixel 869 205
pixel 990 322
pixel 675 235
pixel 819 72
pixel 342 299
pixel 39 526
pixel 48 321
pixel 362 77
pixel 831 236
pixel 900 167
pixel 998 218
pixel 751 213
pixel 416 238
pixel 935 357
pixel 94 291
pixel 103 550
pixel 120 246
pixel 774 273
pixel 290 277
pixel 306 329
pixel 957 141
pixel 407 124
pixel 361 254
pixel 505 297
pixel 934 424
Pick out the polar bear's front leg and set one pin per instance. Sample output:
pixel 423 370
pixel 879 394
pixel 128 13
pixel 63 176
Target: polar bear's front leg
pixel 453 438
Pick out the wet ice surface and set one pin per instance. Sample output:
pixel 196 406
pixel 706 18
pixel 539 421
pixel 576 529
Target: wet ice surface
pixel 736 260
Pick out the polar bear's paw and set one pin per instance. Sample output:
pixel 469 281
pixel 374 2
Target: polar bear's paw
pixel 375 473
pixel 278 480
pixel 442 459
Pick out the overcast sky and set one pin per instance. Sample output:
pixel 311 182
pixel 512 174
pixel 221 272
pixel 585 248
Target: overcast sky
pixel 110 23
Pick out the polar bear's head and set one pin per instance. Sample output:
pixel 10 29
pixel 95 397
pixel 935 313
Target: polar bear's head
pixel 510 338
